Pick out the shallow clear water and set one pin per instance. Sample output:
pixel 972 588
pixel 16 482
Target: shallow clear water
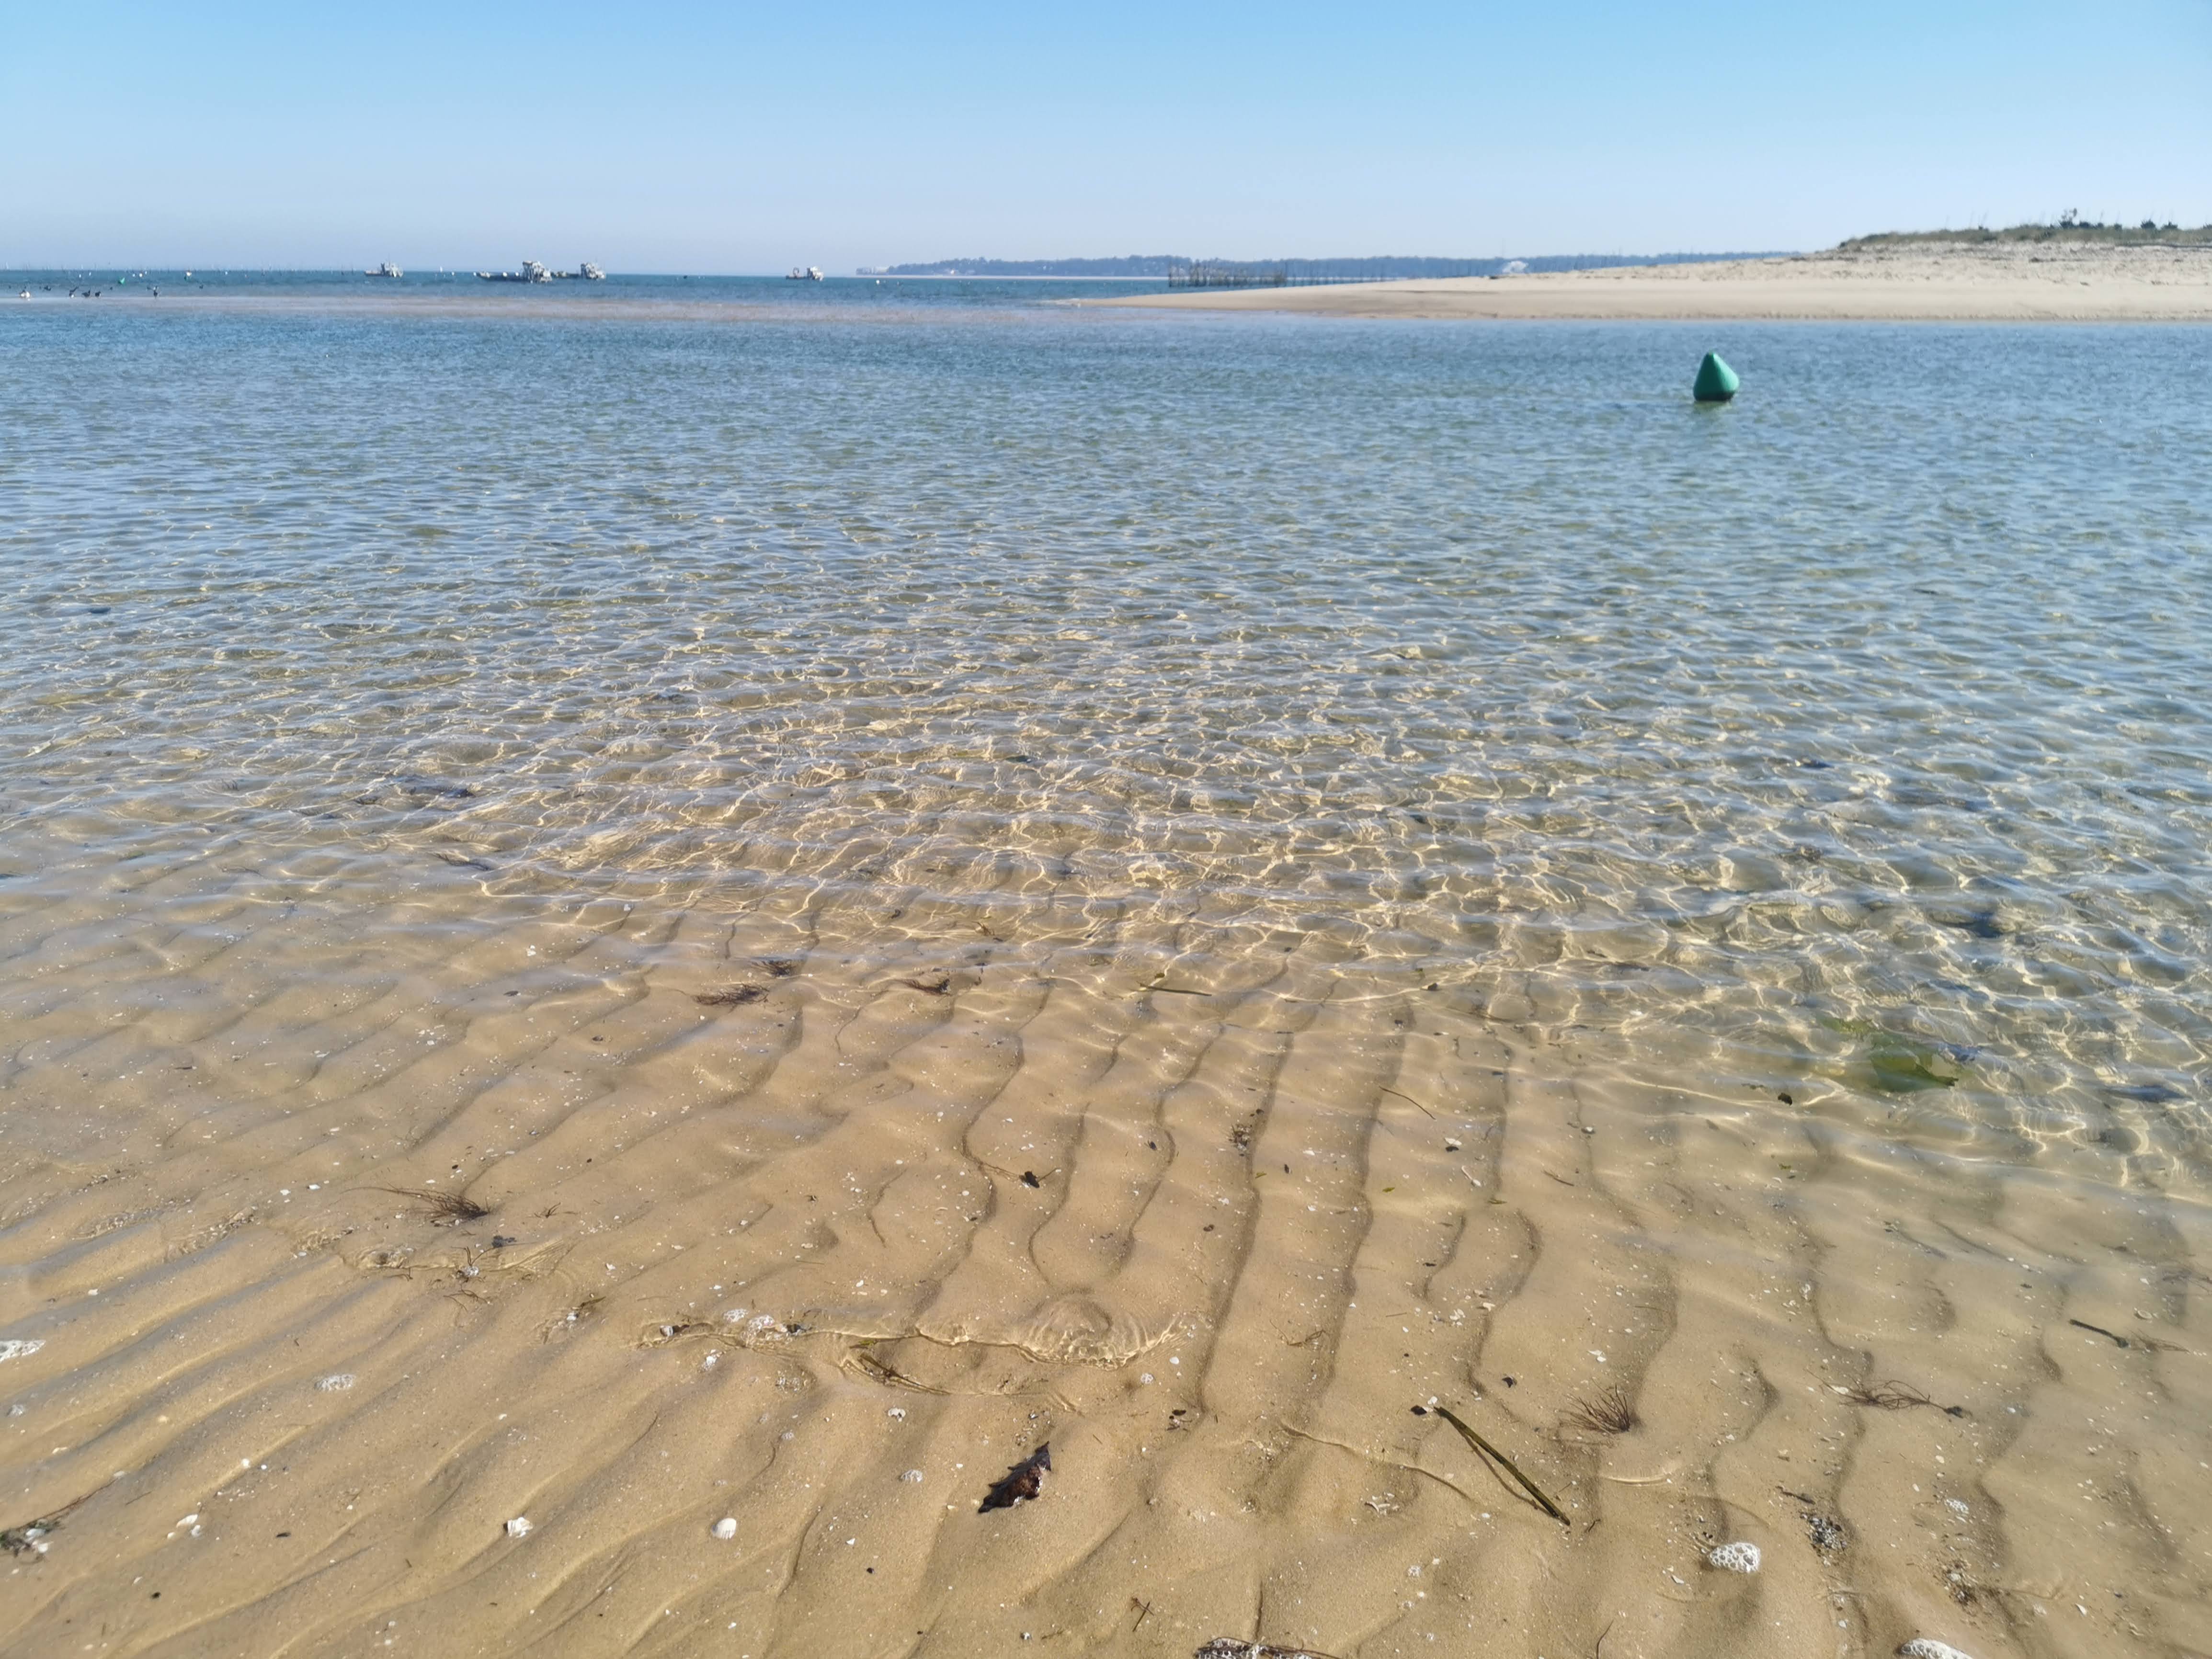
pixel 1853 735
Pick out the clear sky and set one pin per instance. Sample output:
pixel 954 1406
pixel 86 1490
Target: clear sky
pixel 733 137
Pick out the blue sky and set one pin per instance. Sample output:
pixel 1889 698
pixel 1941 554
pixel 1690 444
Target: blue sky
pixel 746 137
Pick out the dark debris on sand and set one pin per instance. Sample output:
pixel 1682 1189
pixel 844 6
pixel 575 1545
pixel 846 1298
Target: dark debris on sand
pixel 1024 1481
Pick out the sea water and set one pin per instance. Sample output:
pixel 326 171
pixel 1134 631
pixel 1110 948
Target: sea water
pixel 1856 728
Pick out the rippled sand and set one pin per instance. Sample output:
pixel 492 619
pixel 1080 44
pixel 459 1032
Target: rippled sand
pixel 820 1217
pixel 615 973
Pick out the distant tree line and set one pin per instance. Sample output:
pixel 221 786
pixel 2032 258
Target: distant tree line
pixel 2070 227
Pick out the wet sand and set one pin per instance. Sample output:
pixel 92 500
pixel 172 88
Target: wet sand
pixel 1962 283
pixel 820 1220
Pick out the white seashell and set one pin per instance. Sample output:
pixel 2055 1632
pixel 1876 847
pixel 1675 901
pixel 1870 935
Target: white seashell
pixel 1927 1647
pixel 726 1528
pixel 1738 1557
pixel 334 1381
pixel 733 1314
pixel 518 1528
pixel 911 1474
pixel 20 1348
pixel 897 1414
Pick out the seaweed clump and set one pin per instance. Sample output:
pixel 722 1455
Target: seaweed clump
pixel 447 1209
pixel 1896 1397
pixel 1611 1412
pixel 730 996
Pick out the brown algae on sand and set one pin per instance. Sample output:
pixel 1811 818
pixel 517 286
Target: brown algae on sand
pixel 730 996
pixel 447 1208
pixel 1895 1397
pixel 1491 1453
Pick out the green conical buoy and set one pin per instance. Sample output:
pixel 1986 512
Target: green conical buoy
pixel 1716 382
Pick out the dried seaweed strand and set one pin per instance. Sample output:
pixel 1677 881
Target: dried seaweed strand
pixel 1371 1457
pixel 1486 1449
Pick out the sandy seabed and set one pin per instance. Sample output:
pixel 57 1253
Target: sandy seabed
pixel 820 1220
pixel 2009 282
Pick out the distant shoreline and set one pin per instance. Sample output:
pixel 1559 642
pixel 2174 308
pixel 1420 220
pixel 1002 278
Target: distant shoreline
pixel 981 276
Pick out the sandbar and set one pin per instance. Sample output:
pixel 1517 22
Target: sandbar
pixel 1916 282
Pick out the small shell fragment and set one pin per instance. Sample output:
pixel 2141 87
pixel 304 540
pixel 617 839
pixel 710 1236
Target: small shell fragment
pixel 914 1475
pixel 1738 1557
pixel 334 1381
pixel 726 1528
pixel 518 1528
pixel 1927 1647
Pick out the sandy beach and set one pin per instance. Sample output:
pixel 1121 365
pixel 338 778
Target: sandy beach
pixel 1914 282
